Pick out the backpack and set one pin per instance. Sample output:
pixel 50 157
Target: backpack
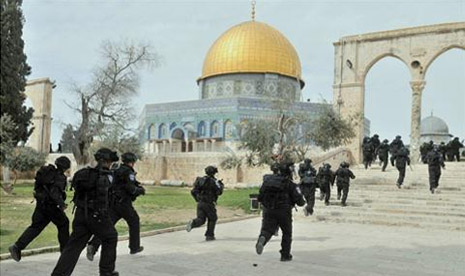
pixel 44 180
pixel 274 192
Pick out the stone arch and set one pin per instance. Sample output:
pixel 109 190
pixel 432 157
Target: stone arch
pixel 173 125
pixel 416 47
pixel 178 134
pixel 440 52
pixel 377 59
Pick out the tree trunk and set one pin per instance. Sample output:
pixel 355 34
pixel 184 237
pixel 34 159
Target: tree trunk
pixel 6 185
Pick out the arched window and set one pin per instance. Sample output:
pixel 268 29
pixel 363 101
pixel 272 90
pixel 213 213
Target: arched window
pixel 162 131
pixel 215 129
pixel 152 134
pixel 201 129
pixel 228 129
pixel 172 125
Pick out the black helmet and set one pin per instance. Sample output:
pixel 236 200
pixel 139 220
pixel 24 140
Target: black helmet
pixel 308 161
pixel 285 168
pixel 344 164
pixel 398 137
pixel 211 170
pixel 274 167
pixel 327 165
pixel 128 157
pixel 385 141
pixel 376 135
pixel 106 154
pixel 63 163
pixel 431 142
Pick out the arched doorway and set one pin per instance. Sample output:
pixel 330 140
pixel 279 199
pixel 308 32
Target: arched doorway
pixel 178 140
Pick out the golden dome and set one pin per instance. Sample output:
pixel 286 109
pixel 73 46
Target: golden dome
pixel 252 47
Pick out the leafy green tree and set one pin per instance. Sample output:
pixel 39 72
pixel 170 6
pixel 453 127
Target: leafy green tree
pixel 14 69
pixel 289 135
pixel 25 159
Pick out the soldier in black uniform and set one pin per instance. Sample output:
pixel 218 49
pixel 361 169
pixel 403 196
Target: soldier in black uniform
pixel 50 196
pixel 394 147
pixel 435 162
pixel 125 190
pixel 375 142
pixel 383 153
pixel 278 195
pixel 343 176
pixel 455 146
pixel 325 179
pixel 308 184
pixel 205 192
pixel 402 159
pixel 443 150
pixel 423 152
pixel 91 198
pixel 368 152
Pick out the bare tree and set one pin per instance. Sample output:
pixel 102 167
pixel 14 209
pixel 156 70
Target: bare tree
pixel 106 100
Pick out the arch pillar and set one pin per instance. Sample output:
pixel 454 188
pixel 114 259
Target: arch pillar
pixel 417 90
pixel 349 102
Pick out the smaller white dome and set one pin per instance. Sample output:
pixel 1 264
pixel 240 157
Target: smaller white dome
pixel 433 125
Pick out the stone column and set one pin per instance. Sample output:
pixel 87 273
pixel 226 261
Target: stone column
pixel 417 89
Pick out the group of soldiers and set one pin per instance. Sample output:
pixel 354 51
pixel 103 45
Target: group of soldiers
pixel 431 154
pixel 449 151
pixel 103 194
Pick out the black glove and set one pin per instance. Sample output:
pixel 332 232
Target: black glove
pixel 140 191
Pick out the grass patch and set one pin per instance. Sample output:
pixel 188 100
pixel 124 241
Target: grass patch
pixel 161 207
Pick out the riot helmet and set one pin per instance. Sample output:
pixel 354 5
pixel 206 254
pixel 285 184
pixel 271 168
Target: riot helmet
pixel 106 154
pixel 63 163
pixel 211 170
pixel 128 157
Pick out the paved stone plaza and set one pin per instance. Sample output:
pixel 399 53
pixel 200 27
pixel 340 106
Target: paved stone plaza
pixel 319 248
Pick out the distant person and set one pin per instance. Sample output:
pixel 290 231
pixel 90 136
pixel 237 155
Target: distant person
pixel 455 146
pixel 435 162
pixel 59 148
pixel 308 185
pixel 402 159
pixel 206 191
pixel 383 154
pixel 394 147
pixel 278 195
pixel 325 179
pixel 368 152
pixel 375 142
pixel 51 149
pixel 443 150
pixel 343 176
pixel 50 196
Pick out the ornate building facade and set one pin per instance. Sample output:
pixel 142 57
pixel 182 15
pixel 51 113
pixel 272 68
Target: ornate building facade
pixel 247 71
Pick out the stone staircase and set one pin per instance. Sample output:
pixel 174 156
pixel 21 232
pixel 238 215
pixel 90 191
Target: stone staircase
pixel 374 199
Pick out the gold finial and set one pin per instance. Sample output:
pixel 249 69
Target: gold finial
pixel 253 10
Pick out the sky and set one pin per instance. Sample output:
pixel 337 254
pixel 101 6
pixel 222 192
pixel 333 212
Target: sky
pixel 63 39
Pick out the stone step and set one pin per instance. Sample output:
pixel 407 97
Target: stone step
pixel 398 218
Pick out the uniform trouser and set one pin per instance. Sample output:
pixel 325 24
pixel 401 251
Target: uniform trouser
pixel 345 192
pixel 83 228
pixel 206 211
pixel 326 189
pixel 42 216
pixel 367 158
pixel 274 218
pixel 126 211
pixel 456 155
pixel 384 161
pixel 434 175
pixel 400 180
pixel 309 194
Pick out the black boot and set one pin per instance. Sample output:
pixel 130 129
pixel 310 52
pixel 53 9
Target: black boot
pixel 260 245
pixel 90 252
pixel 138 250
pixel 15 252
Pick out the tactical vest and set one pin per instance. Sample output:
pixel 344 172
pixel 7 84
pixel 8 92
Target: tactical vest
pixel 92 188
pixel 275 192
pixel 208 190
pixel 44 180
